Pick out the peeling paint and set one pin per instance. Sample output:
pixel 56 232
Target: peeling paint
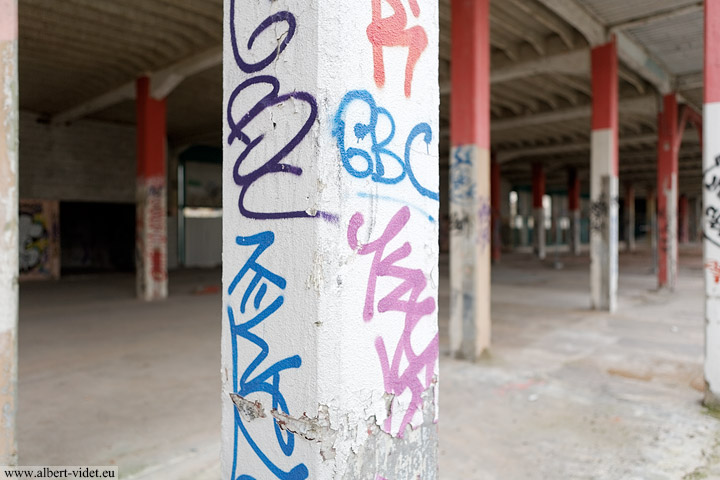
pixel 249 410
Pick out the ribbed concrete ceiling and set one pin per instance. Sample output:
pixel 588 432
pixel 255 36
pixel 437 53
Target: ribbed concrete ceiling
pixel 73 51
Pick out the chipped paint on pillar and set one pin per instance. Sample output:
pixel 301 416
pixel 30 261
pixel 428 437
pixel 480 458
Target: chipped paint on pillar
pixel 603 223
pixel 711 251
pixel 9 253
pixel 151 238
pixel 470 251
pixel 330 277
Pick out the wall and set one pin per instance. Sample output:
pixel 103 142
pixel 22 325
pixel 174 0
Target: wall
pixel 85 161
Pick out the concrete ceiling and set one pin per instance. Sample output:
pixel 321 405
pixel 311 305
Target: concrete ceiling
pixel 79 58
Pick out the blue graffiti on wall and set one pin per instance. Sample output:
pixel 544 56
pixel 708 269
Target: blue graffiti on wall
pixel 274 164
pixel 268 381
pixel 462 184
pixel 373 160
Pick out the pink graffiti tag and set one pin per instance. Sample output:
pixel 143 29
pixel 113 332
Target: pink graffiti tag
pixel 714 268
pixel 413 283
pixel 391 32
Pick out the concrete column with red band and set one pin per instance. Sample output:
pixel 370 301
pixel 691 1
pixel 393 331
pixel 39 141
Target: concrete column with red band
pixel 9 254
pixel 711 203
pixel 604 178
pixel 538 192
pixel 630 217
pixel 470 249
pixel 151 218
pixel 574 210
pixel 667 195
pixel 496 201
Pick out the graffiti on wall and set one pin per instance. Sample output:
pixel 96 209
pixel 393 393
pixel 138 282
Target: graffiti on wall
pixel 398 379
pixel 711 183
pixel 258 378
pixel 39 239
pixel 151 237
pixel 393 32
pixel 369 161
pixel 248 169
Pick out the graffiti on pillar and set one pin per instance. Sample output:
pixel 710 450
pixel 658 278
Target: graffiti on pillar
pixel 258 378
pixel 714 268
pixel 711 183
pixel 38 239
pixel 151 237
pixel 600 212
pixel 374 158
pixel 402 368
pixel 393 31
pixel 249 169
pixel 462 183
pixel 484 223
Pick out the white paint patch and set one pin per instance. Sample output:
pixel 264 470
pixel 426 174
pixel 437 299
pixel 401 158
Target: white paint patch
pixel 469 251
pixel 711 244
pixel 603 222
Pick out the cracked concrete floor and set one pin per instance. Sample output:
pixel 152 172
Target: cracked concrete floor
pixel 566 393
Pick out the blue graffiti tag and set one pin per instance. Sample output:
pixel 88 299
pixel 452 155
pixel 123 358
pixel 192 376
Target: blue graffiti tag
pixel 268 381
pixel 273 165
pixel 462 184
pixel 373 160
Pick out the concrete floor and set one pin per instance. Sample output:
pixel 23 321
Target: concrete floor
pixel 565 394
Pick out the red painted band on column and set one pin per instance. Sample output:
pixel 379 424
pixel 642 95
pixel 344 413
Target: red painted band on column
pixel 470 73
pixel 8 20
pixel 712 51
pixel 573 190
pixel 538 185
pixel 151 131
pixel 667 165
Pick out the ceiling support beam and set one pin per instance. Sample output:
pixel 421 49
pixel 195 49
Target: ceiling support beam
pixel 657 17
pixel 629 51
pixel 163 82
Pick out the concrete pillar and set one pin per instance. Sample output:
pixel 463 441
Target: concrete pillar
pixel 495 201
pixel 470 180
pixel 538 192
pixel 9 254
pixel 330 235
pixel 630 217
pixel 574 210
pixel 711 203
pixel 524 210
pixel 667 178
pixel 604 179
pixel 683 219
pixel 151 228
pixel 651 212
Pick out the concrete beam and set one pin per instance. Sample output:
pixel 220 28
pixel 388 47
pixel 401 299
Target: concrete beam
pixel 657 17
pixel 163 81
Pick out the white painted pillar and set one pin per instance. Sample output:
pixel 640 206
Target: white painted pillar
pixel 604 179
pixel 711 203
pixel 9 254
pixel 330 258
pixel 574 209
pixel 470 172
pixel 524 211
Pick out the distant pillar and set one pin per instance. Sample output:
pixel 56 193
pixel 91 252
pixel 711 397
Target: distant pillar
pixel 330 240
pixel 538 192
pixel 574 209
pixel 711 203
pixel 524 210
pixel 496 200
pixel 151 230
pixel 9 254
pixel 604 178
pixel 630 217
pixel 667 178
pixel 652 234
pixel 470 178
pixel 683 219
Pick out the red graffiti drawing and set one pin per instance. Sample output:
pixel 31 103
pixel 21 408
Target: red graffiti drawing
pixel 391 32
pixel 714 268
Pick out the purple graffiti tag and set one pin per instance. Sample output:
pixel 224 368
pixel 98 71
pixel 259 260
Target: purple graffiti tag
pixel 274 163
pixel 413 282
pixel 484 214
